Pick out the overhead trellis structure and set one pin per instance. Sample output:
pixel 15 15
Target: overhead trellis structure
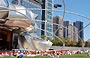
pixel 27 26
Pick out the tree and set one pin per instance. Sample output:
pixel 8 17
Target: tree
pixel 80 42
pixel 56 42
pixel 73 43
pixel 48 38
pixel 43 37
pixel 66 41
pixel 87 44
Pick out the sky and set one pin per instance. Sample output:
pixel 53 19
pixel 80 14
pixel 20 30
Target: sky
pixel 77 6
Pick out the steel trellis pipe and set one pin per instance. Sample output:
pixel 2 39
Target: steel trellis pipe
pixel 52 10
pixel 58 11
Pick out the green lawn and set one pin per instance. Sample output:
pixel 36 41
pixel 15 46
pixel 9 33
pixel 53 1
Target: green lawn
pixel 85 55
pixel 28 57
pixel 64 56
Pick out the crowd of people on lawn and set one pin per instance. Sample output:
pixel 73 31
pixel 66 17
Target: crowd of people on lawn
pixel 52 53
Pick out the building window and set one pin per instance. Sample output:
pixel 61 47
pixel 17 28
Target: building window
pixel 49 25
pixel 49 34
pixel 50 5
pixel 50 12
pixel 50 1
pixel 49 17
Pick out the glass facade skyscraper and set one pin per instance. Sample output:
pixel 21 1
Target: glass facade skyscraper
pixel 79 25
pixel 47 17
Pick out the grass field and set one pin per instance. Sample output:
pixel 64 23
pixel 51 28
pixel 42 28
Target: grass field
pixel 85 55
pixel 64 56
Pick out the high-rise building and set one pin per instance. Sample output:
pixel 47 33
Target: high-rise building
pixel 79 25
pixel 47 16
pixel 58 26
pixel 70 31
pixel 75 33
pixel 65 24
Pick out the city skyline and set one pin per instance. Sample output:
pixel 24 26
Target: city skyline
pixel 76 6
pixel 67 29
